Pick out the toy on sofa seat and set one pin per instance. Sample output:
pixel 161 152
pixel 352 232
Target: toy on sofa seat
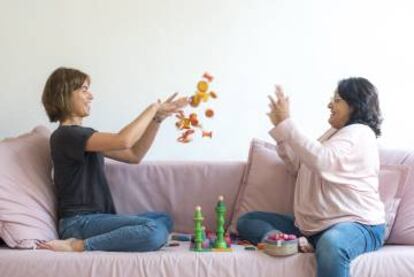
pixel 221 209
pixel 189 124
pixel 205 241
pixel 198 231
pixel 280 244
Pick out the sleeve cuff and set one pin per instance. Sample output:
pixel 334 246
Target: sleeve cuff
pixel 281 131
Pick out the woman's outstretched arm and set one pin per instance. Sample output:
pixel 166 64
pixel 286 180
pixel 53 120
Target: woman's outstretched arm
pixel 137 152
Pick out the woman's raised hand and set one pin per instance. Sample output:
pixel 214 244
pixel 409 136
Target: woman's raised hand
pixel 170 106
pixel 279 106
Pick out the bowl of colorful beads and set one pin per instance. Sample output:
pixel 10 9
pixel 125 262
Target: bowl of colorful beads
pixel 280 244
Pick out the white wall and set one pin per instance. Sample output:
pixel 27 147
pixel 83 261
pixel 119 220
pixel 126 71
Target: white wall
pixel 137 51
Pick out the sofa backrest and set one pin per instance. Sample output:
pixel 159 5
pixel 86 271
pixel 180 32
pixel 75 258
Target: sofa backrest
pixel 176 188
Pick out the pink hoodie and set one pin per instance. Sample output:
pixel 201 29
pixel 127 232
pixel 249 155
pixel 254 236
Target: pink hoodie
pixel 337 176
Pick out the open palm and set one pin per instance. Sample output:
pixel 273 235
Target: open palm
pixel 171 106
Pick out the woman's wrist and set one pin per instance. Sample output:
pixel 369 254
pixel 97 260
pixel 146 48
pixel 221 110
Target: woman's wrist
pixel 159 117
pixel 281 119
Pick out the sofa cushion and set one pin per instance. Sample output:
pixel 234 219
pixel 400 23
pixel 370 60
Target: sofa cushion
pixel 27 200
pixel 403 228
pixel 392 181
pixel 268 186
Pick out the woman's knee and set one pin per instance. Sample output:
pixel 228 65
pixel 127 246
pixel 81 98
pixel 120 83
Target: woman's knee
pixel 243 221
pixel 252 215
pixel 332 258
pixel 157 238
pixel 244 218
pixel 331 248
pixel 168 221
pixel 163 217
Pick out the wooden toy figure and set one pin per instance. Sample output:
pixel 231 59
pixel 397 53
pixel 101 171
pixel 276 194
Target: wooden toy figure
pixel 206 241
pixel 220 220
pixel 198 229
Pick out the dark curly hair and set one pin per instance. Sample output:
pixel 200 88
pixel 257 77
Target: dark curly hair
pixel 362 96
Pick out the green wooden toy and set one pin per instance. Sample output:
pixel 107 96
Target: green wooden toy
pixel 198 230
pixel 220 243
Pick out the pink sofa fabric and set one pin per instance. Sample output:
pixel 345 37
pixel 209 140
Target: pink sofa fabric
pixel 403 228
pixel 268 185
pixel 392 182
pixel 389 261
pixel 27 200
pixel 178 187
pixel 175 187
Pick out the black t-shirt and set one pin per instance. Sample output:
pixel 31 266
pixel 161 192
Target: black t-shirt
pixel 78 175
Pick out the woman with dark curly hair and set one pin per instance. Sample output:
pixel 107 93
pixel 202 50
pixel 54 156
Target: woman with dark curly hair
pixel 337 208
pixel 361 95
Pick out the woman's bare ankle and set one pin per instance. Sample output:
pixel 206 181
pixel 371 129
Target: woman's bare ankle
pixel 77 245
pixel 67 245
pixel 305 246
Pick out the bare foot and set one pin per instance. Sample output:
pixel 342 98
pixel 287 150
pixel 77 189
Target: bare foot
pixel 305 246
pixel 67 245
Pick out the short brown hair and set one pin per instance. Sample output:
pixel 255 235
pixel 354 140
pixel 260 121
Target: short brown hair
pixel 58 89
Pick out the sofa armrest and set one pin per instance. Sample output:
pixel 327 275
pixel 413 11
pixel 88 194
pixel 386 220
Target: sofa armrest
pixel 176 188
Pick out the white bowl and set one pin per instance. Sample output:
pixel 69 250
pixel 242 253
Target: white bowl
pixel 281 248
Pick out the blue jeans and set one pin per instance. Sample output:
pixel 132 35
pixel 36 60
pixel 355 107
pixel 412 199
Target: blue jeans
pixel 335 247
pixel 111 232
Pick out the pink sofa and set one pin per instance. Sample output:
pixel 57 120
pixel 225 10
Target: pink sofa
pixel 262 182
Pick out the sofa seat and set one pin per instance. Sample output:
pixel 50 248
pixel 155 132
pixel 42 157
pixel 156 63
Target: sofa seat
pixel 179 261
